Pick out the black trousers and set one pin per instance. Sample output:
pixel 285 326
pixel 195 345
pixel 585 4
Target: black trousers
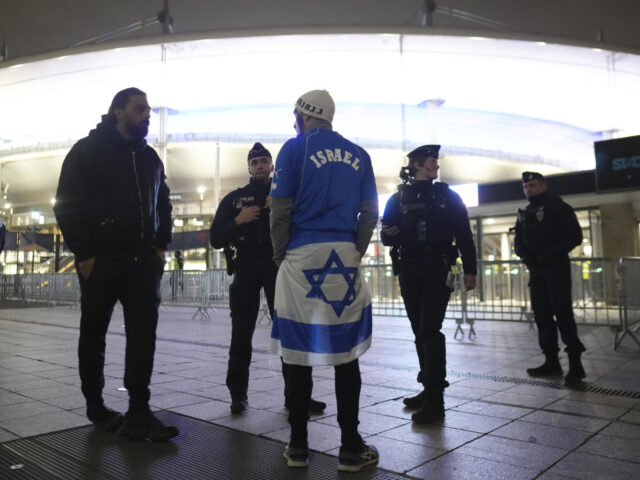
pixel 135 282
pixel 426 295
pixel 251 275
pixel 550 287
pixel 347 384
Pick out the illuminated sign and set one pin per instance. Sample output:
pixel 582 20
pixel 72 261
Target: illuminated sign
pixel 618 163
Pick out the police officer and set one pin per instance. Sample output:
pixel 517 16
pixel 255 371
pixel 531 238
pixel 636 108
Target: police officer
pixel 546 231
pixel 421 221
pixel 241 227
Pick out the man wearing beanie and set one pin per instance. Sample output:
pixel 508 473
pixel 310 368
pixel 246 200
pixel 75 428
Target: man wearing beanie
pixel 241 227
pixel 546 231
pixel 323 213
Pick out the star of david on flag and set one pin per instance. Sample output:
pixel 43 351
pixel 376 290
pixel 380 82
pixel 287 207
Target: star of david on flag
pixel 317 276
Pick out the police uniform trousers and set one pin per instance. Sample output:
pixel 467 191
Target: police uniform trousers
pixel 426 295
pixel 135 281
pixel 550 287
pixel 251 275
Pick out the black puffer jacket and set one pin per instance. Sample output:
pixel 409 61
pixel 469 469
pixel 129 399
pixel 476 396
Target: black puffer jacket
pixel 112 196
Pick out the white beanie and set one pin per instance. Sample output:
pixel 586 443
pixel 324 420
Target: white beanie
pixel 317 103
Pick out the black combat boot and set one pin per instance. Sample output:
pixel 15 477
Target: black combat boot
pixel 432 409
pixel 576 370
pixel 415 402
pixel 550 367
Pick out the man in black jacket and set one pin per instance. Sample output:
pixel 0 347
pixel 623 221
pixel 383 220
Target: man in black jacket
pixel 241 227
pixel 546 231
pixel 113 208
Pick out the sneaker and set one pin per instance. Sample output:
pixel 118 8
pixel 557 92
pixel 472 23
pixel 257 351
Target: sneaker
pixel 356 461
pixel 104 418
pixel 239 405
pixel 143 425
pixel 414 402
pixel 296 457
pixel 316 406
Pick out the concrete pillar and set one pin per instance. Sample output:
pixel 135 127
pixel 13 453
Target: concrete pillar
pixel 619 229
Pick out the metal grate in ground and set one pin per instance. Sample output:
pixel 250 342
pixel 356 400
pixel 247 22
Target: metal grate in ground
pixel 581 387
pixel 202 451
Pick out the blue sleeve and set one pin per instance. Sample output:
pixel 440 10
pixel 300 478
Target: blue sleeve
pixel 285 175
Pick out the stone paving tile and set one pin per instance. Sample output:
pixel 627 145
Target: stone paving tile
pixel 485 384
pixel 44 423
pixel 538 391
pixel 472 422
pixel 391 408
pixel 469 392
pixel 613 447
pixel 206 411
pixel 26 409
pixel 10 398
pixel 623 430
pixel 612 400
pixel 583 466
pixel 542 434
pixel 175 399
pixel 493 410
pixel 6 436
pixel 588 409
pixel 69 402
pixel 258 422
pixel 457 466
pixel 575 422
pixel 431 435
pixel 632 416
pixel 513 452
pixel 399 456
pixel 370 423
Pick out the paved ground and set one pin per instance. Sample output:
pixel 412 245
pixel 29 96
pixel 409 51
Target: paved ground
pixel 498 423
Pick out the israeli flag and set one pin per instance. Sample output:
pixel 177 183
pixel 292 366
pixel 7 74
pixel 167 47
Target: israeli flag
pixel 322 306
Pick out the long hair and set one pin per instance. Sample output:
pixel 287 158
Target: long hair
pixel 121 99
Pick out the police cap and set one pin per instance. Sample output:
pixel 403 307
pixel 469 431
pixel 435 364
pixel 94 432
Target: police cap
pixel 528 176
pixel 258 150
pixel 425 151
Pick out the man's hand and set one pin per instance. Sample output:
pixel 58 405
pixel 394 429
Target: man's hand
pixel 390 230
pixel 162 254
pixel 469 281
pixel 85 267
pixel 247 214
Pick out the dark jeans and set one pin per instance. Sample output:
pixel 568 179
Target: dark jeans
pixel 550 287
pixel 426 295
pixel 347 384
pixel 251 275
pixel 135 281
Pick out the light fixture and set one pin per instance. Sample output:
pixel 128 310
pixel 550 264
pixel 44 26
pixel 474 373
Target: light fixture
pixel 178 222
pixel 35 215
pixel 53 201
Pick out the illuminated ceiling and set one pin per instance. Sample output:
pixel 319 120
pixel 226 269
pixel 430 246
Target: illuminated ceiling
pixel 508 105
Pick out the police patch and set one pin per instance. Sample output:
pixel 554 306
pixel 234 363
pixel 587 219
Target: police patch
pixel 540 214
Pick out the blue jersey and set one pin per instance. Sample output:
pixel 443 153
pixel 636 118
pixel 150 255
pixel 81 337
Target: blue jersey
pixel 327 177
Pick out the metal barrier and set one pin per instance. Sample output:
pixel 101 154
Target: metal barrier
pixel 603 293
pixel 629 274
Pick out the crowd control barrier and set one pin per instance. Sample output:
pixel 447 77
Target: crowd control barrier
pixel 604 293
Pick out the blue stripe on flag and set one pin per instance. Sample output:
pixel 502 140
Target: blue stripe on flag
pixel 322 338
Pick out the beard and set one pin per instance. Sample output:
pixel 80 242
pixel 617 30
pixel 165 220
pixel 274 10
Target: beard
pixel 137 130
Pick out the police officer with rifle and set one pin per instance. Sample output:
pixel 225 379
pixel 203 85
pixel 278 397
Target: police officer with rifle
pixel 426 224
